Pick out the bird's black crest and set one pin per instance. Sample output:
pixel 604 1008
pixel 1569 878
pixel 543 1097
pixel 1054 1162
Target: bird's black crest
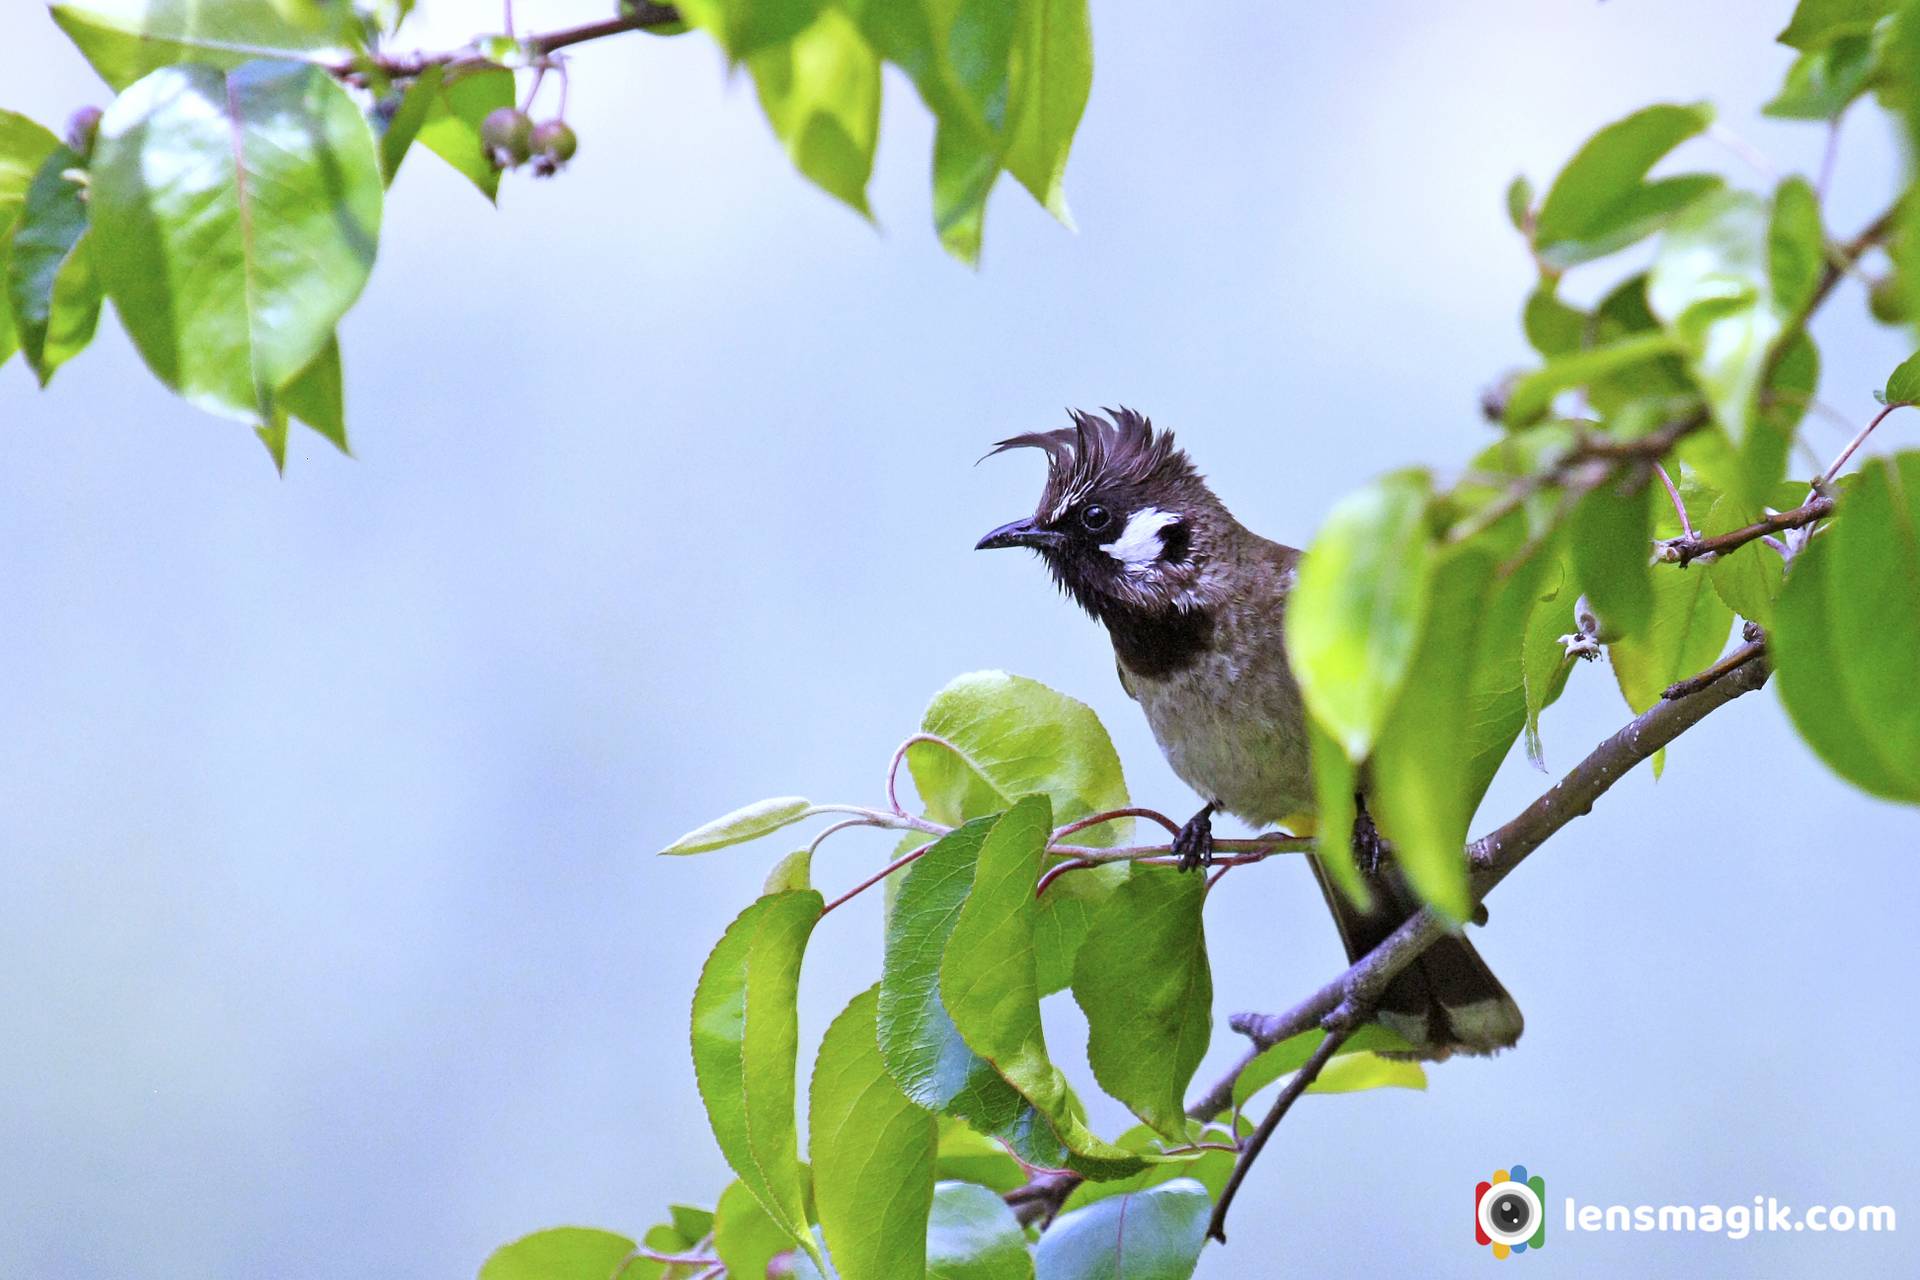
pixel 1122 450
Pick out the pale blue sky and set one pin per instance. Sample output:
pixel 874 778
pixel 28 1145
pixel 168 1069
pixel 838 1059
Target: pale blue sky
pixel 334 941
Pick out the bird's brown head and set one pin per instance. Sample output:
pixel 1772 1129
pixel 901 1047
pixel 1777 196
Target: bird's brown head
pixel 1125 523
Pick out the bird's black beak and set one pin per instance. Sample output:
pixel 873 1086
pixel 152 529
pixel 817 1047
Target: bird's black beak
pixel 1021 533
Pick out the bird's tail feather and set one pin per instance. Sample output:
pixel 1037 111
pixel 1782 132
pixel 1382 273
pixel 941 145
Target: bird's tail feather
pixel 1445 1002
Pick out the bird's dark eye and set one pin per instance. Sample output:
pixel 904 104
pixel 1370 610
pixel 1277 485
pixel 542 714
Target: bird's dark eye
pixel 1095 517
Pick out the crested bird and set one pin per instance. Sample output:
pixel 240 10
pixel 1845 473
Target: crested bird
pixel 1196 606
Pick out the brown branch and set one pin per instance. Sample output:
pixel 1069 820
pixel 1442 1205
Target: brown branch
pixel 634 17
pixel 1495 855
pixel 1684 551
pixel 1693 684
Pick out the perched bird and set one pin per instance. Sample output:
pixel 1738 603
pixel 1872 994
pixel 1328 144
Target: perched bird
pixel 1196 605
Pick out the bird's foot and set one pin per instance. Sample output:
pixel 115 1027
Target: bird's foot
pixel 1194 844
pixel 1368 846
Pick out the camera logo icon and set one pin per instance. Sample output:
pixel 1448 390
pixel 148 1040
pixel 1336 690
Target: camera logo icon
pixel 1509 1212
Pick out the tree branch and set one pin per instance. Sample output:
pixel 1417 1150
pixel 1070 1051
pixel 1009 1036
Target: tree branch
pixel 1495 855
pixel 1685 550
pixel 634 16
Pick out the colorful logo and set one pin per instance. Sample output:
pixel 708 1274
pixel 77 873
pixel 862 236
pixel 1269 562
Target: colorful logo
pixel 1510 1212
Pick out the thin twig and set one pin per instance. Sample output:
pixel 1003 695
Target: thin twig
pixel 1340 1024
pixel 1684 551
pixel 1829 157
pixel 637 17
pixel 1673 494
pixel 1693 684
pixel 900 754
pixel 874 879
pixel 1861 439
pixel 1111 815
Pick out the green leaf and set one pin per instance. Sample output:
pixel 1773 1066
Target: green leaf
pixel 1903 384
pixel 745 1037
pixel 1601 201
pixel 53 290
pixel 1017 737
pixel 964 171
pixel 399 128
pixel 749 822
pixel 1291 1054
pixel 821 92
pixel 1336 786
pixel 1899 91
pixel 1209 1168
pixel 1823 82
pixel 1463 687
pixel 1360 1071
pixel 1519 202
pixel 923 1050
pixel 973 1235
pixel 989 985
pixel 561 1253
pixel 792 872
pixel 691 1221
pixel 237 215
pixel 873 1154
pixel 1747 578
pixel 1355 615
pixel 1660 385
pixel 1846 634
pixel 745 27
pixel 451 130
pixel 1796 247
pixel 24 147
pixel 1156 1234
pixel 1142 980
pixel 959 56
pixel 126 39
pixel 1712 284
pixel 1687 630
pixel 1006 83
pixel 1815 22
pixel 1534 394
pixel 1544 661
pixel 1052 74
pixel 745 1236
pixel 273 435
pixel 1552 327
pixel 1611 537
pixel 316 398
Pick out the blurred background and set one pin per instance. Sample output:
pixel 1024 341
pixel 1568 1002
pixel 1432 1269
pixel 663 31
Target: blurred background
pixel 333 937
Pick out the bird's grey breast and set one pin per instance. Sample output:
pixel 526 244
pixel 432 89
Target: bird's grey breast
pixel 1230 721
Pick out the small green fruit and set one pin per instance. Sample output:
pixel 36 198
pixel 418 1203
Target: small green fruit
pixel 83 126
pixel 507 135
pixel 555 140
pixel 1888 301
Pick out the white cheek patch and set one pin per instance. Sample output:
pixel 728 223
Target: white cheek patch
pixel 1140 543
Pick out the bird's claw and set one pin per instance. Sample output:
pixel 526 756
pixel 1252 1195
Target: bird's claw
pixel 1194 844
pixel 1368 846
